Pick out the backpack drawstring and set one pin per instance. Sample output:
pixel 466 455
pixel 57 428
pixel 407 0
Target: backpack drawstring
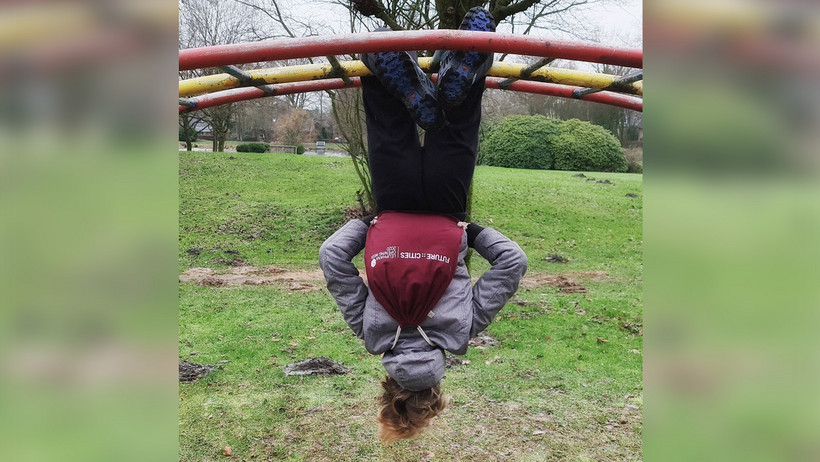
pixel 398 332
pixel 421 331
pixel 425 336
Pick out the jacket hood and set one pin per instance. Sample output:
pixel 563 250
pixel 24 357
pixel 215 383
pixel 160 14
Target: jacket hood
pixel 415 370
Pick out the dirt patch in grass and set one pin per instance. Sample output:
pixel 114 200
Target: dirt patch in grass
pixel 190 371
pixel 312 280
pixel 295 280
pixel 483 341
pixel 555 258
pixel 566 282
pixel 316 366
pixel 451 361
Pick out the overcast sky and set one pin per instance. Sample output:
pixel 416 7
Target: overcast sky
pixel 620 24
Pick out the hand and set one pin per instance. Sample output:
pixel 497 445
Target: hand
pixel 473 230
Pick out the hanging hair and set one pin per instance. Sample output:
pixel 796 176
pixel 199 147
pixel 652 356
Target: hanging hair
pixel 404 413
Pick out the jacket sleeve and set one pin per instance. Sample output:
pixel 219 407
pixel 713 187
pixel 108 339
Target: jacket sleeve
pixel 342 276
pixel 495 287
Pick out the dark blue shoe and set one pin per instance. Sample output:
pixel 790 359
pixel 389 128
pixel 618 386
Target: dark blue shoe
pixel 401 75
pixel 461 69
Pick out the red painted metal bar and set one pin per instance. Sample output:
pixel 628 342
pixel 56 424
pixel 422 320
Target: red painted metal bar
pixel 279 49
pixel 566 91
pixel 247 93
pixel 550 89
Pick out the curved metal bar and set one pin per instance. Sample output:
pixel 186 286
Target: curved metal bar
pixel 567 91
pixel 248 93
pixel 220 82
pixel 345 44
pixel 622 82
pixel 550 89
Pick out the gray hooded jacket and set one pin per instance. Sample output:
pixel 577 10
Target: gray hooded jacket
pixel 462 312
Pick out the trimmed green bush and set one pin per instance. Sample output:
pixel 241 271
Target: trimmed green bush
pixel 520 142
pixel 253 147
pixel 588 148
pixel 300 149
pixel 537 142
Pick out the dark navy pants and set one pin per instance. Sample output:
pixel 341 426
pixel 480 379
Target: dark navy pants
pixel 407 176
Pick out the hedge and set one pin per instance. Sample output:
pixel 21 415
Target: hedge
pixel 520 142
pixel 537 142
pixel 585 147
pixel 253 147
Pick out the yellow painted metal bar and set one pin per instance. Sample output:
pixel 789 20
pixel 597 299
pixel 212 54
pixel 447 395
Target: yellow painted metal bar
pixel 219 82
pixel 560 76
pixel 301 73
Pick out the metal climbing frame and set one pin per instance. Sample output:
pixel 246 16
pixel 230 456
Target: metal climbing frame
pixel 238 85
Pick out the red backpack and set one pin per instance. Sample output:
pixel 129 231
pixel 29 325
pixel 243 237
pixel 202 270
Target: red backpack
pixel 410 260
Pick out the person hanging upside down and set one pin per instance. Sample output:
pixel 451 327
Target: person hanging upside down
pixel 419 301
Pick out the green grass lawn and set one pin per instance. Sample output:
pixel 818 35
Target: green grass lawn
pixel 563 382
pixel 309 145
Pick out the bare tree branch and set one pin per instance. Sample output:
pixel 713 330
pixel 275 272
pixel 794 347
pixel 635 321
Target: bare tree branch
pixel 277 17
pixel 376 9
pixel 542 13
pixel 502 12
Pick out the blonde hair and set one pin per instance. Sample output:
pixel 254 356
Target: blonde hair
pixel 405 413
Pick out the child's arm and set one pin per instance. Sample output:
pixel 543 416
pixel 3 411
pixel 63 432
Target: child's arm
pixel 499 283
pixel 343 280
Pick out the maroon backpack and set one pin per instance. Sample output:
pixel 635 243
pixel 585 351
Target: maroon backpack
pixel 410 260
